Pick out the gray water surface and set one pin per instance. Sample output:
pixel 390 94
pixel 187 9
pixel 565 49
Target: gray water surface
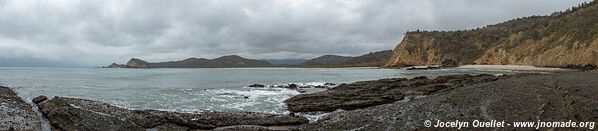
pixel 192 90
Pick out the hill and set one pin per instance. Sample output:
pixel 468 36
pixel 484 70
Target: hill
pixel 327 60
pixel 560 40
pixel 372 59
pixel 221 62
pixel 285 61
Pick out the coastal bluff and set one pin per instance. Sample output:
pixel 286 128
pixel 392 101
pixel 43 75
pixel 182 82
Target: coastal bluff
pixel 563 39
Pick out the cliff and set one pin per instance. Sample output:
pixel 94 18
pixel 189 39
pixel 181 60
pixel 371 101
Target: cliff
pixel 221 62
pixel 559 40
pixel 137 63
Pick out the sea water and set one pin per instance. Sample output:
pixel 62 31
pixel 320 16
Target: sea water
pixel 194 90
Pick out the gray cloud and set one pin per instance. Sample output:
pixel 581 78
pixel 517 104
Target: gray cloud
pixel 97 32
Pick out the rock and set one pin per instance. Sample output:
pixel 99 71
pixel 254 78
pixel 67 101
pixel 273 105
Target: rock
pixel 420 78
pixel 449 63
pixel 423 68
pixel 329 84
pixel 307 86
pixel 556 98
pixel 80 114
pixel 39 99
pixel 320 86
pixel 257 85
pixel 137 63
pixel 16 114
pixel 588 67
pixel 371 93
pixel 293 86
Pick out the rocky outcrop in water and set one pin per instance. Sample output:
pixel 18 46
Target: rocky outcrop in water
pixel 16 114
pixel 559 40
pixel 371 93
pixel 527 98
pixel 79 114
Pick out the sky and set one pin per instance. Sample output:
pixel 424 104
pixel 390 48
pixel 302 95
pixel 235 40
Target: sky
pixel 91 33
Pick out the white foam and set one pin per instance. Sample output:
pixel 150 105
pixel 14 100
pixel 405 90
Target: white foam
pixel 265 100
pixel 315 116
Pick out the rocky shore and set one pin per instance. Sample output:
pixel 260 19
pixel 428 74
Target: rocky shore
pixel 371 93
pixel 16 114
pixel 556 97
pixel 80 114
pixel 386 104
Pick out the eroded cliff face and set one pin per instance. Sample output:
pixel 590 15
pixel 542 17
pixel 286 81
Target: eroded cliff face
pixel 560 40
pixel 419 49
pixel 137 63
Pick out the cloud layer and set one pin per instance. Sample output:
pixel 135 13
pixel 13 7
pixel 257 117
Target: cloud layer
pixel 98 32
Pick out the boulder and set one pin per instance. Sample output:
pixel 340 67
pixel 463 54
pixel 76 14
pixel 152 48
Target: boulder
pixel 293 86
pixel 39 99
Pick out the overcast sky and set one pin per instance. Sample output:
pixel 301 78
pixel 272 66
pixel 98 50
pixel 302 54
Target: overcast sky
pixel 99 32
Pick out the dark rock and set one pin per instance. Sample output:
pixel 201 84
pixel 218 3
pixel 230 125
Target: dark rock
pixel 320 86
pixel 80 114
pixel 516 98
pixel 39 99
pixel 420 78
pixel 329 84
pixel 449 63
pixel 16 114
pixel 293 86
pixel 257 85
pixel 423 68
pixel 306 86
pixel 587 67
pixel 371 93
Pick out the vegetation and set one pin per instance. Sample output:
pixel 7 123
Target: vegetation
pixel 372 59
pixel 575 27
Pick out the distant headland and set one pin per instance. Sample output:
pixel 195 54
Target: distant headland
pixel 373 59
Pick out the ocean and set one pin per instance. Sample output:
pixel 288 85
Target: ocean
pixel 194 90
